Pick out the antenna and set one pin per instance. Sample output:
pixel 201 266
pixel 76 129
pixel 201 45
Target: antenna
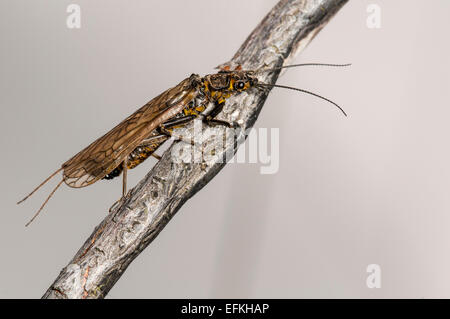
pixel 303 91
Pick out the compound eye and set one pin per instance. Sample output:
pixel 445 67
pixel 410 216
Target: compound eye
pixel 239 85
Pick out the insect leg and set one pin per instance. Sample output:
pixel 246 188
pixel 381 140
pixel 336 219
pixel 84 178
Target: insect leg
pixel 159 139
pixel 124 184
pixel 213 122
pixel 166 127
pixel 179 121
pixel 154 142
pixel 158 157
pixel 168 132
pixel 210 118
pixel 218 107
pixel 124 177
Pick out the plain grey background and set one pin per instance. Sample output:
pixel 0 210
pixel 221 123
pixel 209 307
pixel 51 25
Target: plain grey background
pixel 372 188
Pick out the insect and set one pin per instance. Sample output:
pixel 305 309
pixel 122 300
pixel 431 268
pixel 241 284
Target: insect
pixel 138 136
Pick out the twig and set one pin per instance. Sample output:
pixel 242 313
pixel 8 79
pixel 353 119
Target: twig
pixel 149 206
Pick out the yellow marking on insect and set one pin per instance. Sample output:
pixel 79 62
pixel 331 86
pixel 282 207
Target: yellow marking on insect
pixel 200 108
pixel 231 84
pixel 190 112
pixel 206 85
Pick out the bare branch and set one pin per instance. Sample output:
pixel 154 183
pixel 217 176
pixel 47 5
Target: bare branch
pixel 149 206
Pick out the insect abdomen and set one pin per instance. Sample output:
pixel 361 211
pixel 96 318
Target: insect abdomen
pixel 135 158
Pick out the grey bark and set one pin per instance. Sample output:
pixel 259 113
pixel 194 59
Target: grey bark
pixel 149 206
